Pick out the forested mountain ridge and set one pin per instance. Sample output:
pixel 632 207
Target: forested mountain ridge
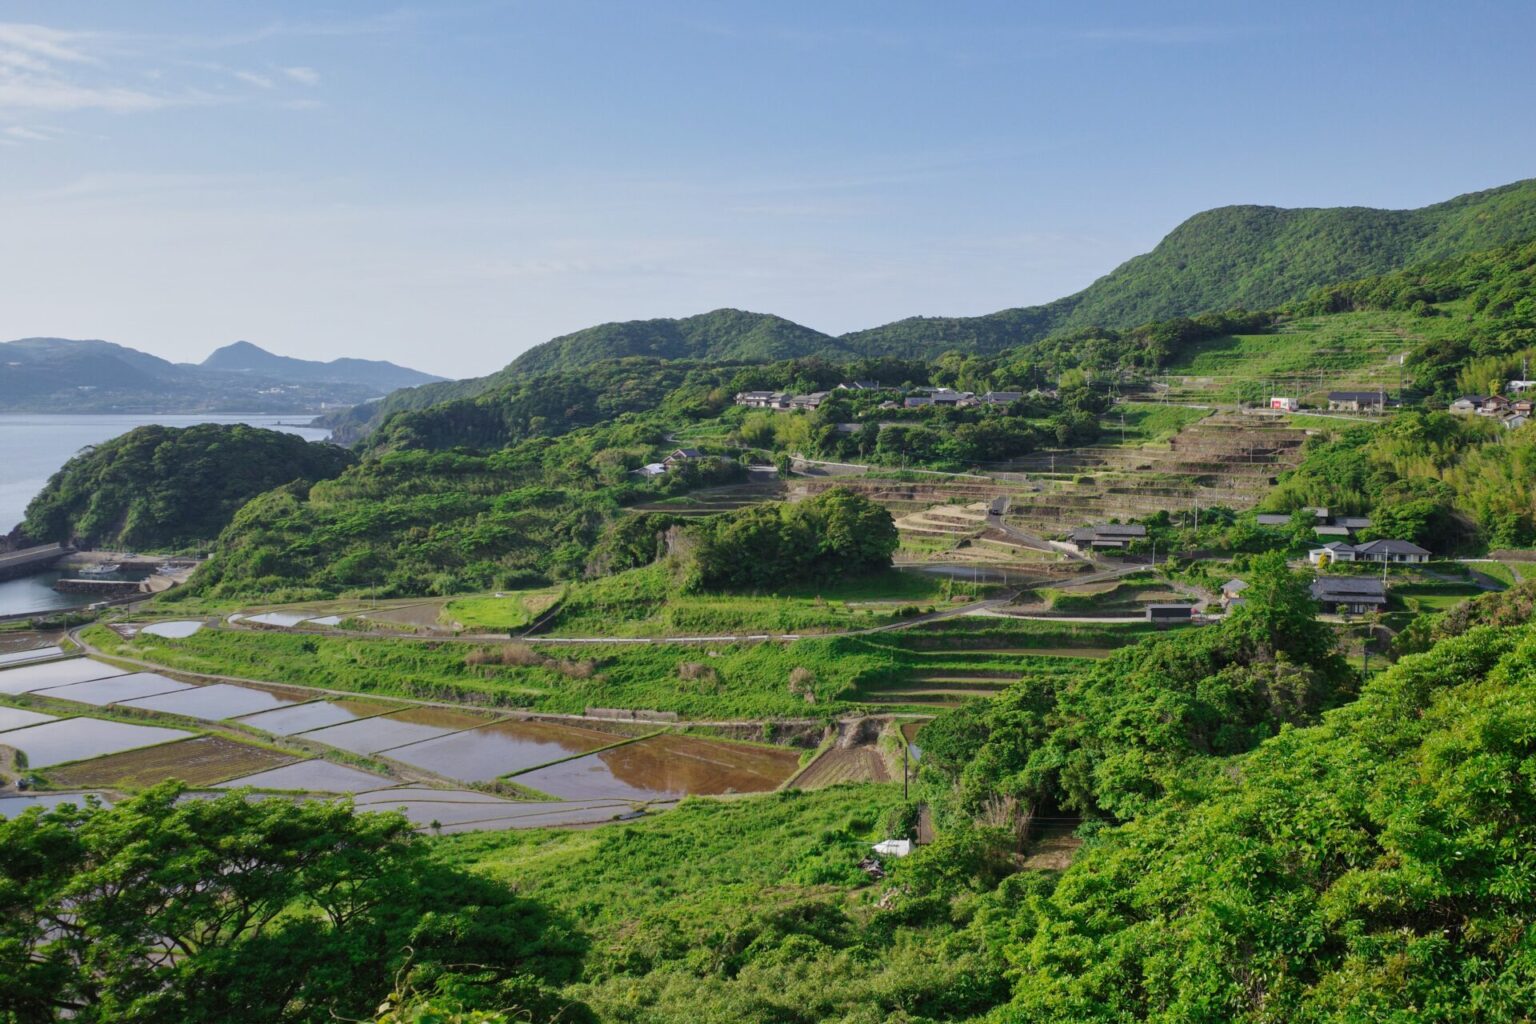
pixel 244 357
pixel 68 375
pixel 1251 257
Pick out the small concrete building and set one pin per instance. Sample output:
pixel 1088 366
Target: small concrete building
pixel 1170 614
pixel 1108 536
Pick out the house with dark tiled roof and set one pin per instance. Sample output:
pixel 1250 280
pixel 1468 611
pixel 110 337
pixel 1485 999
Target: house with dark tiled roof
pixel 1354 595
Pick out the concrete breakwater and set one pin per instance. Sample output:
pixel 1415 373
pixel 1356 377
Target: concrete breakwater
pixel 111 588
pixel 30 560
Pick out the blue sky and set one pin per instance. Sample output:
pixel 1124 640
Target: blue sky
pixel 448 184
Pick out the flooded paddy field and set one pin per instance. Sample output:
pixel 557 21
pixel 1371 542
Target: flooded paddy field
pixel 316 715
pixel 665 767
pixel 372 735
pixel 78 739
pixel 173 630
pixel 450 811
pixel 218 701
pixel 199 762
pixel 18 718
pixel 502 748
pixel 314 776
pixel 29 654
pixel 11 806
pixel 26 678
pixel 114 689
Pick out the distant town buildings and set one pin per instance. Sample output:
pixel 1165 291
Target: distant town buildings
pixel 784 401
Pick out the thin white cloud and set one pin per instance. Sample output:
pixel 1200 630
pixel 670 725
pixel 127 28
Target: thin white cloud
pixel 21 131
pixel 253 78
pixel 302 75
pixel 42 44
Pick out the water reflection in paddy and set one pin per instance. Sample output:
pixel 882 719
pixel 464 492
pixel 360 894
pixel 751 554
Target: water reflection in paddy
pixel 17 718
pixel 54 673
pixel 312 777
pixel 35 654
pixel 664 767
pixel 75 739
pixel 12 806
pixel 375 734
pixel 315 715
pixel 114 689
pixel 173 630
pixel 495 750
pixel 216 701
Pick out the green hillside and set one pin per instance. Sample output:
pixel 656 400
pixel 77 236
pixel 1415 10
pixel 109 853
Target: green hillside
pixel 724 335
pixel 1251 257
pixel 165 487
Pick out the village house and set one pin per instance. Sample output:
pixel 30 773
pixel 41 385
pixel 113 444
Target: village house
pixel 764 399
pixel 1107 536
pixel 1517 420
pixel 1326 524
pixel 808 402
pixel 1466 405
pixel 652 469
pixel 1232 593
pixel 682 455
pixel 1001 397
pixel 1352 595
pixel 861 385
pixel 1284 404
pixel 1334 551
pixel 1357 401
pixel 1394 552
pixel 1516 387
pixel 1495 405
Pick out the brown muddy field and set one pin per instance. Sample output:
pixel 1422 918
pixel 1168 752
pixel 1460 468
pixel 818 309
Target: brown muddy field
pixel 199 762
pixel 666 767
pixel 858 764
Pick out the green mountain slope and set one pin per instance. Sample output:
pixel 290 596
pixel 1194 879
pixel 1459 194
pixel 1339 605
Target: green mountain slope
pixel 724 335
pixel 1253 257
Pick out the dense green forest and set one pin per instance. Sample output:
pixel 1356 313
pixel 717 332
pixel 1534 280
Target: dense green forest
pixel 1447 481
pixel 166 488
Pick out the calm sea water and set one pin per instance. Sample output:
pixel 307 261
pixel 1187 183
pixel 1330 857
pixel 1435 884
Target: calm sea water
pixel 34 445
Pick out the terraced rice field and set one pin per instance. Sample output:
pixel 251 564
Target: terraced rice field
pixel 854 764
pixel 198 762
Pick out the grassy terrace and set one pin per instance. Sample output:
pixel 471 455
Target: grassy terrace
pixel 1308 357
pixel 808 678
pixel 645 602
